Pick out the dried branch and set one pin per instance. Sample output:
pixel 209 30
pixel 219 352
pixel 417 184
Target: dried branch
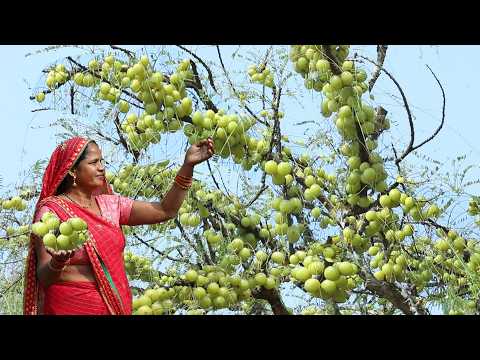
pixel 396 157
pixel 209 71
pixel 276 105
pixel 381 52
pixel 130 54
pixel 433 223
pixel 273 298
pixel 380 116
pixel 407 108
pixel 42 109
pixel 443 114
pixel 388 291
pixel 72 94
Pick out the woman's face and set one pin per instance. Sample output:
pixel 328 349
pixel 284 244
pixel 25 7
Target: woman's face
pixel 90 171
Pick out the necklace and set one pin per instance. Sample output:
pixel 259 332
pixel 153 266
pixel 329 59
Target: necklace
pixel 76 202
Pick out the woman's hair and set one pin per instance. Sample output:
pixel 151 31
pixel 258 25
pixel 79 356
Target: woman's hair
pixel 68 180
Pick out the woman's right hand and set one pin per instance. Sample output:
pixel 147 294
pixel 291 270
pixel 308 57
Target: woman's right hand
pixel 61 256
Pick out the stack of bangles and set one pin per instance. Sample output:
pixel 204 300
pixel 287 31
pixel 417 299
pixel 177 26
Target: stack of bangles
pixel 183 182
pixel 57 266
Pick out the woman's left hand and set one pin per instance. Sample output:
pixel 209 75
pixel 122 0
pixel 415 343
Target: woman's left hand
pixel 200 152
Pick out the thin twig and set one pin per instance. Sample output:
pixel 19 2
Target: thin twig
pixel 443 114
pixel 199 89
pixel 107 81
pixel 11 285
pixel 130 54
pixel 258 193
pixel 235 91
pixel 213 176
pixel 108 138
pixel 407 108
pixel 209 71
pixel 158 251
pixel 135 153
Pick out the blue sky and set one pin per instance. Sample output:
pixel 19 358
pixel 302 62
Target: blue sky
pixel 27 137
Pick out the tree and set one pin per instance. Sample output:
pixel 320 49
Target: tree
pixel 338 219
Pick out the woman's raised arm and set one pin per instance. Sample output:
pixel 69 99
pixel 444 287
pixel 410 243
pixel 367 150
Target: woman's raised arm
pixel 144 212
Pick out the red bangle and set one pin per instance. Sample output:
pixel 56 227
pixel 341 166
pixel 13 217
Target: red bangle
pixel 183 184
pixel 184 187
pixel 184 178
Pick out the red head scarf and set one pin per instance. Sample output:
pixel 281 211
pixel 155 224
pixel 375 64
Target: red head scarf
pixel 61 161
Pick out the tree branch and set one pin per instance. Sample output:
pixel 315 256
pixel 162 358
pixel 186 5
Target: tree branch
pixel 407 108
pixel 108 138
pixel 334 66
pixel 209 71
pixel 381 52
pixel 380 117
pixel 273 298
pixel 11 286
pixel 260 192
pixel 388 291
pixel 135 153
pixel 185 236
pixel 200 90
pixel 130 54
pixel 41 109
pixel 106 80
pixel 158 251
pixel 443 114
pixel 72 94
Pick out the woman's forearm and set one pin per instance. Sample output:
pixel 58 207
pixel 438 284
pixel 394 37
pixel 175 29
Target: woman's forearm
pixel 173 200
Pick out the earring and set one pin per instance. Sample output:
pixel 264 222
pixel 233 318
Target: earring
pixel 74 178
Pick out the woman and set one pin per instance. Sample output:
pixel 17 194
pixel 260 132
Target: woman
pixel 92 280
